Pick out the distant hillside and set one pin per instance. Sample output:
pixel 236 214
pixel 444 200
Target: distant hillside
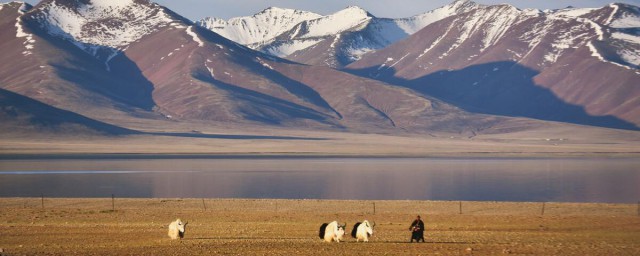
pixel 571 65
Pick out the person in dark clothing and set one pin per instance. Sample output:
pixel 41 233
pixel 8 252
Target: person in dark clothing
pixel 417 230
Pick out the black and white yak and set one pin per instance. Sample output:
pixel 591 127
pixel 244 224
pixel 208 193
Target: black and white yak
pixel 332 231
pixel 363 230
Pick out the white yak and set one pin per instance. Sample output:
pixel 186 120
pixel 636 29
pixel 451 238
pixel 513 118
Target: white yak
pixel 176 229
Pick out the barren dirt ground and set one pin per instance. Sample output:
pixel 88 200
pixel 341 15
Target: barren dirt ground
pixel 539 144
pixel 290 227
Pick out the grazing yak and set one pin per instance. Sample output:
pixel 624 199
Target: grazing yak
pixel 363 230
pixel 332 231
pixel 176 229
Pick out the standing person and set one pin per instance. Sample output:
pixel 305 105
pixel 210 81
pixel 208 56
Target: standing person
pixel 417 230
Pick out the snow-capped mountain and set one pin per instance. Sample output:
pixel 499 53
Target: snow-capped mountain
pixel 571 64
pixel 102 28
pixel 333 40
pixel 166 67
pixel 260 27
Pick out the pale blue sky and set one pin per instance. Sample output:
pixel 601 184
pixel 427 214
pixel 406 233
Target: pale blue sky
pixel 197 9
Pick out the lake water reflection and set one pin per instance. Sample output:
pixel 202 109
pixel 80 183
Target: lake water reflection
pixel 561 180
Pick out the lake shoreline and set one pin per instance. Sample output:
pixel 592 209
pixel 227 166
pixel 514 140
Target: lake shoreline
pixel 284 226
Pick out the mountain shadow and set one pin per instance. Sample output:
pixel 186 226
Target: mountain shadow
pixel 116 77
pixel 20 111
pixel 264 108
pixel 378 34
pixel 294 87
pixel 29 113
pixel 498 88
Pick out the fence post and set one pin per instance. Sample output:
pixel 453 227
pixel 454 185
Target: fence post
pixel 204 205
pixel 374 208
pixel 638 208
pixel 42 200
pixel 542 212
pixel 460 207
pixel 276 206
pixel 113 202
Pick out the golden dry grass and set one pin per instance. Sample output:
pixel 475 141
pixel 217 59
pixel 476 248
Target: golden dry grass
pixel 289 227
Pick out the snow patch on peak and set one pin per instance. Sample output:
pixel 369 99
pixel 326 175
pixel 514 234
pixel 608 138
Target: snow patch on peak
pixel 280 11
pixel 28 43
pixel 102 28
pixel 335 23
pixel 333 44
pixel 462 2
pixel 505 17
pixel 596 53
pixel 273 9
pixel 102 23
pixel 259 28
pixel 595 26
pixel 104 4
pixel 531 12
pixel 416 23
pixel 631 53
pixel 569 13
pixel 613 13
pixel 195 37
pixel 635 39
pixel 626 20
pixel 289 47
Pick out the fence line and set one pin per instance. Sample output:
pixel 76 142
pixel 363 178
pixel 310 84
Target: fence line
pixel 330 206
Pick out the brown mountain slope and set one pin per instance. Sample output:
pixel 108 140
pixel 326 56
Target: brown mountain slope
pixel 565 66
pixel 211 78
pixel 54 71
pixel 36 118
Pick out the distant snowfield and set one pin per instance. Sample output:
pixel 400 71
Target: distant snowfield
pixel 283 32
pixel 627 37
pixel 570 12
pixel 263 26
pixel 288 48
pixel 336 23
pixel 105 4
pixel 87 25
pixel 626 22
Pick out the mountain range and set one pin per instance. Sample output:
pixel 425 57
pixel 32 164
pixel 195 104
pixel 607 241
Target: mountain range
pixel 109 66
pixel 579 65
pixel 333 40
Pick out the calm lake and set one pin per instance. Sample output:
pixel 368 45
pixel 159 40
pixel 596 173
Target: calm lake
pixel 559 180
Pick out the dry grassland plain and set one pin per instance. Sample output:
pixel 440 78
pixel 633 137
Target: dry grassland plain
pixel 290 227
